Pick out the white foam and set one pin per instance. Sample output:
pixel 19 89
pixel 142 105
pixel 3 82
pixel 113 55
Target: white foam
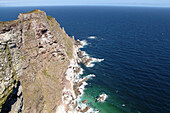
pixel 77 77
pixel 84 53
pixel 91 63
pixel 81 88
pixel 123 105
pixel 104 97
pixel 97 60
pixel 90 76
pixel 68 92
pixel 84 43
pixel 83 106
pixel 61 109
pixel 92 37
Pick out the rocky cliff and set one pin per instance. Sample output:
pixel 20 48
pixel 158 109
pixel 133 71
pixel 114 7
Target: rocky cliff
pixel 34 56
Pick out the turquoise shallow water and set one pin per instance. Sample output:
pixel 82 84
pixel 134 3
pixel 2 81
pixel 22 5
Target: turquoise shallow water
pixel 104 107
pixel 135 43
pixel 92 91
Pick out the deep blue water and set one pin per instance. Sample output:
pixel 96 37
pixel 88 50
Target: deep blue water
pixel 135 43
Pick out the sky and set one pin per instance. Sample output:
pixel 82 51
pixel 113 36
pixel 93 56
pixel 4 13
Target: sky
pixel 156 3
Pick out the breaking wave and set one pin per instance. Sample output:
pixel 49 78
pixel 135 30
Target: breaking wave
pixel 84 43
pixel 92 37
pixel 94 60
pixel 102 98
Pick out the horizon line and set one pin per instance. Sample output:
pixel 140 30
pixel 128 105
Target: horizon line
pixel 122 5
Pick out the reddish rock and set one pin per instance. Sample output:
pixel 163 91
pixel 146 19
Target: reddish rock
pixel 84 101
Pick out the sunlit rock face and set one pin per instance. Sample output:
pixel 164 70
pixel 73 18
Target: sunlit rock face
pixel 34 56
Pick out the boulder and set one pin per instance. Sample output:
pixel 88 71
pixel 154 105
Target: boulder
pixel 84 101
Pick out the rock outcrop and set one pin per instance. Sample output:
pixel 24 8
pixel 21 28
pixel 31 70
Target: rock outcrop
pixel 102 98
pixel 10 71
pixel 35 53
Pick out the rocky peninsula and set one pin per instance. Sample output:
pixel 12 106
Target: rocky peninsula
pixel 39 69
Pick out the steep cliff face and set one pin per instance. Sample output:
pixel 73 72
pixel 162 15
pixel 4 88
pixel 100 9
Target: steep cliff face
pixel 10 71
pixel 34 54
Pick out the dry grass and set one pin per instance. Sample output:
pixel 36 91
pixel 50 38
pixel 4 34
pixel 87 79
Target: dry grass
pixel 34 11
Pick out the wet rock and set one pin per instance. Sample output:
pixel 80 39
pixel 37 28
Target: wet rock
pixel 86 60
pixel 85 110
pixel 77 69
pixel 80 54
pixel 77 85
pixel 78 43
pixel 84 101
pixel 102 98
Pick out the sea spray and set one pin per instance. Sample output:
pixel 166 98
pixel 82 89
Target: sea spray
pixel 91 63
pixel 102 98
pixel 82 87
pixel 75 85
pixel 93 60
pixel 83 43
pixel 84 53
pixel 90 76
pixel 92 37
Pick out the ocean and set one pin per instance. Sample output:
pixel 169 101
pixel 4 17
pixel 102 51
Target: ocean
pixel 135 45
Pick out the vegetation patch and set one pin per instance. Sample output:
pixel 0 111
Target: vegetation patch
pixel 23 57
pixel 44 71
pixel 50 17
pixel 34 11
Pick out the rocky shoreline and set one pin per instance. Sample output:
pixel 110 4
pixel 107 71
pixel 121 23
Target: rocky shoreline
pixel 75 85
pixel 39 70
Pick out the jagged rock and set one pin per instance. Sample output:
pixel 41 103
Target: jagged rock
pixel 78 43
pixel 84 101
pixel 85 110
pixel 86 60
pixel 77 69
pixel 102 98
pixel 77 85
pixel 80 54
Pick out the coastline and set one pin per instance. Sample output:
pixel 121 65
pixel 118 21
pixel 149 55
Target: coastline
pixel 75 85
pixel 55 62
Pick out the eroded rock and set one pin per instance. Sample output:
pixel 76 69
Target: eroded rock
pixel 28 54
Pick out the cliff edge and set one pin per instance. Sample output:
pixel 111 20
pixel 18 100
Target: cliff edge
pixel 35 53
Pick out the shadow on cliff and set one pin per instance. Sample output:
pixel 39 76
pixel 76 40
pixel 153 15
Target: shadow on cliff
pixel 12 100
